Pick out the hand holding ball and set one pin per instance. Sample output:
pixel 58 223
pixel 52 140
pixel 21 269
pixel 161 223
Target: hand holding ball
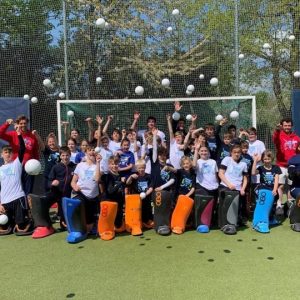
pixel 33 167
pixel 3 219
pixel 142 195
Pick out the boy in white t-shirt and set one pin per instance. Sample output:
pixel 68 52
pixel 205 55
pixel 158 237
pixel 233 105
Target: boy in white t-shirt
pixel 85 184
pixel 115 141
pixel 13 201
pixel 177 144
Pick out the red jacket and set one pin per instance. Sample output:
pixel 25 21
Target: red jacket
pixel 31 143
pixel 286 145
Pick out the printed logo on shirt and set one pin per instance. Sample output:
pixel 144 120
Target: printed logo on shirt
pixel 212 145
pixel 142 186
pixel 290 145
pixel 268 178
pixel 165 176
pixel 28 143
pixel 235 171
pixel 186 183
pixel 7 172
pixel 88 175
pixel 206 168
pixel 123 161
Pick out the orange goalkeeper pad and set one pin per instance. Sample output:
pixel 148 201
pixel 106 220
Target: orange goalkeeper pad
pixel 181 213
pixel 133 214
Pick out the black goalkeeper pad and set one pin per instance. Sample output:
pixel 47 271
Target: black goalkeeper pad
pixel 162 209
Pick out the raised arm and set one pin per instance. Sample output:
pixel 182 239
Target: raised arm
pixel 105 128
pixel 136 116
pixel 41 143
pixel 154 153
pixel 99 121
pixel 21 146
pixel 171 133
pixel 89 122
pixel 3 131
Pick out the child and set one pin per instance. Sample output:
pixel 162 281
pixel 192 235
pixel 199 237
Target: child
pixel 71 143
pixel 50 151
pixel 209 130
pixel 114 186
pixel 127 161
pixel 223 149
pixel 85 185
pixel 13 200
pixel 206 172
pixel 81 154
pixel 233 175
pixel 177 144
pixel 59 186
pixel 140 182
pixel 105 153
pixel 114 143
pixel 233 172
pixel 186 178
pixel 269 173
pixel 135 145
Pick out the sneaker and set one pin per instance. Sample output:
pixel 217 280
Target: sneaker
pixel 163 230
pixel 41 232
pixel 279 211
pixel 149 224
pixel 203 229
pixel 273 222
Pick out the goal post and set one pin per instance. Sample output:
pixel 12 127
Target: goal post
pixel 206 109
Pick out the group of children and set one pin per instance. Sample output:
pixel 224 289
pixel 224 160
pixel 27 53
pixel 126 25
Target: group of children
pixel 154 184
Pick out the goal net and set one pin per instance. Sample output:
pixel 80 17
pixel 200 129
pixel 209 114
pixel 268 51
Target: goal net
pixel 206 110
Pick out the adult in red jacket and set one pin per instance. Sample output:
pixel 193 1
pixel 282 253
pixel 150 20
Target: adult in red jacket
pixel 31 145
pixel 286 142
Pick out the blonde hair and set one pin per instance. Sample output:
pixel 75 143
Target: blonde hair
pixel 185 158
pixel 140 162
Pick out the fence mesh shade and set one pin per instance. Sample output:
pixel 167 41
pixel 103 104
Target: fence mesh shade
pixel 144 41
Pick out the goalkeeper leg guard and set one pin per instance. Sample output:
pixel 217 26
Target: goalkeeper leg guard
pixel 181 213
pixel 133 214
pixel 106 223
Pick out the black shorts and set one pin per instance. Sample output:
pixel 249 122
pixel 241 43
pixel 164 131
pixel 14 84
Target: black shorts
pixel 91 207
pixel 17 211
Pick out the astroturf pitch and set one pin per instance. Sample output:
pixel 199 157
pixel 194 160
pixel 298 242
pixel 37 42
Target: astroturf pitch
pixel 248 265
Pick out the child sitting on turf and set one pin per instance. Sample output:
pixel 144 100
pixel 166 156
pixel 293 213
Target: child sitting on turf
pixel 269 175
pixel 85 184
pixel 140 182
pixel 13 201
pixel 206 172
pixel 186 178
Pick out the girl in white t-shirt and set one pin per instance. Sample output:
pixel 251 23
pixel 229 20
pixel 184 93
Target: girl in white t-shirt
pixel 233 172
pixel 206 172
pixel 85 184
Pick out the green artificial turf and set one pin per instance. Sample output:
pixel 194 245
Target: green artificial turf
pixel 248 265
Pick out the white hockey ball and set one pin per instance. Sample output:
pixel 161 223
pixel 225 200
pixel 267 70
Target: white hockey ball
pixel 139 90
pixel 189 93
pixel 3 219
pixel 97 149
pixel 190 88
pixel 98 80
pixel 176 116
pixel 165 82
pixel 100 22
pixel 292 37
pixel 142 195
pixel 234 114
pixel 175 12
pixel 219 118
pixel 201 76
pixel 297 74
pixel 47 83
pixel 189 117
pixel 266 46
pixel 214 81
pixel 70 113
pixel 33 167
pixel 61 95
pixel 241 56
pixel 170 29
pixel 34 100
pixel 26 97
